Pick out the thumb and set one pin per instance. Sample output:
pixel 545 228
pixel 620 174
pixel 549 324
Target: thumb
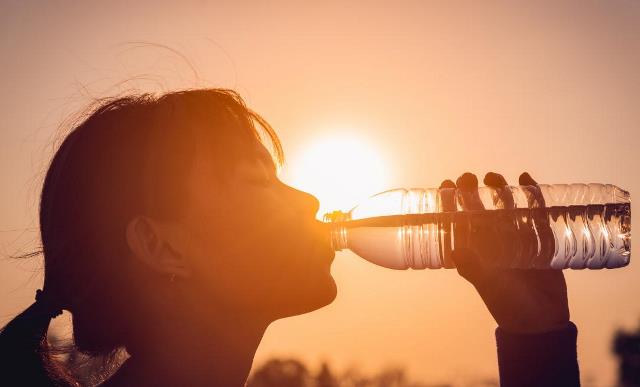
pixel 469 266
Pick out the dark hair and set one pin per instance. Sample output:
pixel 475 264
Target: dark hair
pixel 127 158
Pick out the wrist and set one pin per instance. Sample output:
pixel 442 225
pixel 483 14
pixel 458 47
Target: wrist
pixel 543 359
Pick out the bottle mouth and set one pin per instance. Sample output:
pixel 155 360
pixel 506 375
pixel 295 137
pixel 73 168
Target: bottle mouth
pixel 336 216
pixel 621 196
pixel 337 229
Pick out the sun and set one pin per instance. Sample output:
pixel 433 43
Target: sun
pixel 339 169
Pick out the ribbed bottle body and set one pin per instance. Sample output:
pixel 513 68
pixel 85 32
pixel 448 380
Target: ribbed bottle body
pixel 557 226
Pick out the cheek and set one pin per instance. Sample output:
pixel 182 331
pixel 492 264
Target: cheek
pixel 238 259
pixel 258 258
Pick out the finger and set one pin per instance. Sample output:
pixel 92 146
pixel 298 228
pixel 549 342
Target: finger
pixel 467 182
pixel 503 197
pixel 448 184
pixel 468 200
pixel 469 197
pixel 526 179
pixel 493 179
pixel 502 234
pixel 535 201
pixel 447 204
pixel 447 194
pixel 535 198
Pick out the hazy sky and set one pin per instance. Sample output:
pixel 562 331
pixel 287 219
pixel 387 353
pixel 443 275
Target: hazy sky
pixel 432 88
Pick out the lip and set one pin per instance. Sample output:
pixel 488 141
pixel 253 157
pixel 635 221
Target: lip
pixel 331 254
pixel 324 249
pixel 319 239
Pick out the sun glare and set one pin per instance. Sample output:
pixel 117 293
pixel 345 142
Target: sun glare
pixel 339 169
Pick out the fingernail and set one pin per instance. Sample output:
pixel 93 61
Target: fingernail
pixel 448 184
pixel 526 179
pixel 468 181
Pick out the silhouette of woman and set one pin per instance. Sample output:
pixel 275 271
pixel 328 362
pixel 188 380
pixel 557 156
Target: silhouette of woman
pixel 166 232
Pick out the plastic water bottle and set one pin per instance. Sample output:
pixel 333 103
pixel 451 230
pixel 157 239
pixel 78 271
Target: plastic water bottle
pixel 555 226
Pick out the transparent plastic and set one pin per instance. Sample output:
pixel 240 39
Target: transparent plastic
pixel 556 226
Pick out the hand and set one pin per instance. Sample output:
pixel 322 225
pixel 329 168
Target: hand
pixel 520 300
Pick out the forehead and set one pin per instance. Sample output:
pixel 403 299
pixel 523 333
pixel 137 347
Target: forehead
pixel 220 160
pixel 213 181
pixel 263 155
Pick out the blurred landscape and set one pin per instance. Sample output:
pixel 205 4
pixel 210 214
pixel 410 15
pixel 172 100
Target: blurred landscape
pixel 293 373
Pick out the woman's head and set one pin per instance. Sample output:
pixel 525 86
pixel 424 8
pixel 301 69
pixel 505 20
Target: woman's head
pixel 173 203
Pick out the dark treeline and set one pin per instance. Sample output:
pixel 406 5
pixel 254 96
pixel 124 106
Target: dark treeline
pixel 294 373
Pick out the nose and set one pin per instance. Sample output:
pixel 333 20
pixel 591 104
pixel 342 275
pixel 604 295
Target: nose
pixel 306 201
pixel 311 202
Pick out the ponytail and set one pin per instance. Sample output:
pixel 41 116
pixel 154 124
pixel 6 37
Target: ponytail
pixel 25 356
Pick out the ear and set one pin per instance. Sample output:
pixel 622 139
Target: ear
pixel 148 241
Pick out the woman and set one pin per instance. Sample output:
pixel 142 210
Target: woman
pixel 166 232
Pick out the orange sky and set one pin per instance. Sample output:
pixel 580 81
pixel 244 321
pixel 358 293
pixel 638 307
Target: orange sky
pixel 436 88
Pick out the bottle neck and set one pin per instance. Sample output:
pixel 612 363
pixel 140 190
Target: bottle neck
pixel 338 229
pixel 338 236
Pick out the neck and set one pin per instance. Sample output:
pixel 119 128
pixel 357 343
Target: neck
pixel 206 351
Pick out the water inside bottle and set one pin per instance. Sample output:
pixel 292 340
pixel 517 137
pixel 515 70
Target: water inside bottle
pixel 582 236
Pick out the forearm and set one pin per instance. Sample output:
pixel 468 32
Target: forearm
pixel 544 359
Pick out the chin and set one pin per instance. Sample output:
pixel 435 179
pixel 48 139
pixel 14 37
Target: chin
pixel 312 299
pixel 331 293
